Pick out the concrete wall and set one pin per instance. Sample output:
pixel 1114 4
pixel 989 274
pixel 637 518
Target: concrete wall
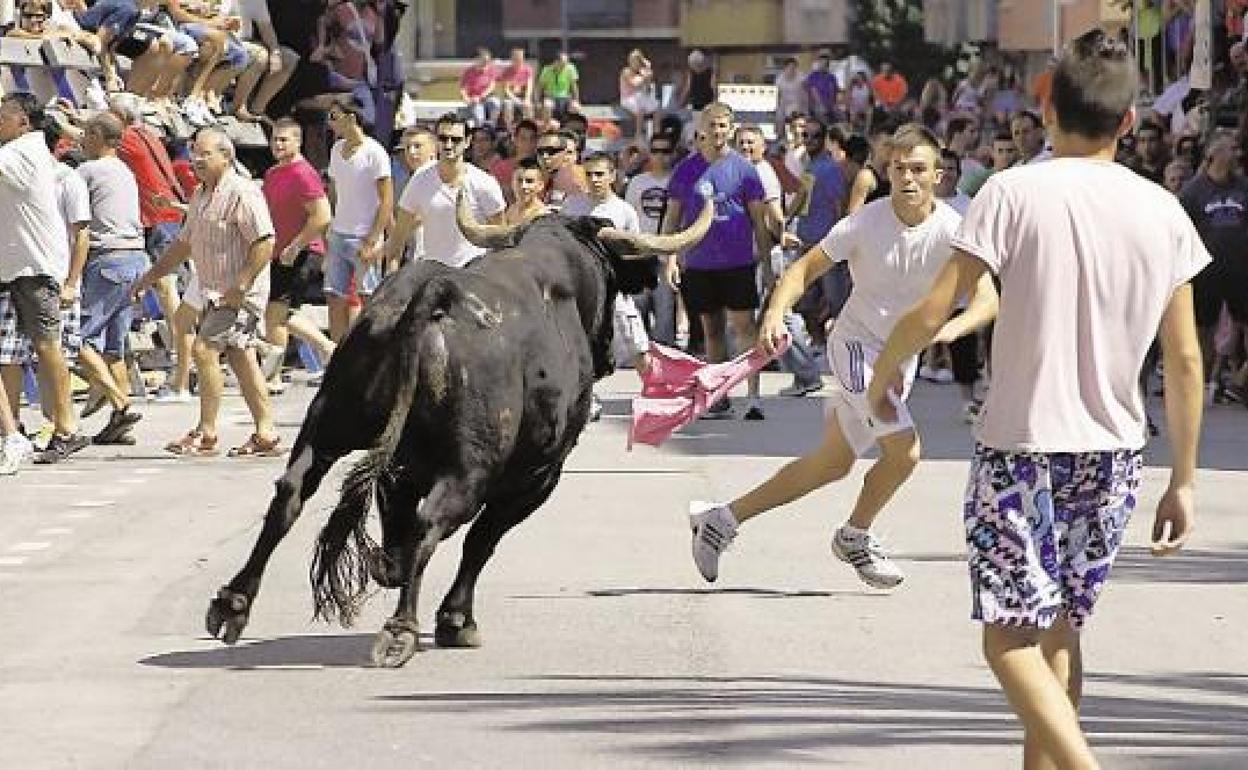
pixel 718 23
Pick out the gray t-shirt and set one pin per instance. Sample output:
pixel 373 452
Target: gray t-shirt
pixel 115 220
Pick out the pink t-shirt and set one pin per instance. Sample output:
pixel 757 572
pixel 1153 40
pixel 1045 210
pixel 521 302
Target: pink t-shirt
pixel 287 190
pixel 516 77
pixel 1089 255
pixel 478 80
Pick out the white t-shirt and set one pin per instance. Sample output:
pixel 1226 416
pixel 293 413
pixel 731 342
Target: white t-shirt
pixel 433 200
pixel 1088 255
pixel 73 201
pixel 647 194
pixel 355 186
pixel 34 241
pixel 619 211
pixel 892 265
pixel 771 183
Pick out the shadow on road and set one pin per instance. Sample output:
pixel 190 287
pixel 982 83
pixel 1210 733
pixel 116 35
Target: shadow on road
pixel 760 719
pixel 311 651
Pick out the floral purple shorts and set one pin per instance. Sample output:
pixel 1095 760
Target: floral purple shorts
pixel 1042 531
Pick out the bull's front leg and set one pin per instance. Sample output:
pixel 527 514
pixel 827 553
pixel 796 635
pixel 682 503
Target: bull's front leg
pixel 452 501
pixel 228 612
pixel 457 627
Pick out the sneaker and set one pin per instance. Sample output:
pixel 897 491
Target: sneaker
pixel 720 410
pixel 866 554
pixel 799 388
pixel 755 412
pixel 944 375
pixel 713 531
pixel 170 396
pixel 595 408
pixel 928 373
pixel 61 447
pixel 43 436
pixel 13 452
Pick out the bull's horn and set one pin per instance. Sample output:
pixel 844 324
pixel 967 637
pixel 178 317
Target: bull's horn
pixel 644 244
pixel 481 235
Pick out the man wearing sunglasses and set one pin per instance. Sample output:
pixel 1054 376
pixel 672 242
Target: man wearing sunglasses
pixel 564 176
pixel 429 200
pixel 647 193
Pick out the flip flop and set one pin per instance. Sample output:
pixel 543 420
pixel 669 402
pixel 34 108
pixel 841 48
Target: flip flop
pixel 193 444
pixel 258 447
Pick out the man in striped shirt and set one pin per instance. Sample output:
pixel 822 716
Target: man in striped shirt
pixel 229 236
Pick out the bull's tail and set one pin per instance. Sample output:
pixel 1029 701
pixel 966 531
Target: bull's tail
pixel 340 567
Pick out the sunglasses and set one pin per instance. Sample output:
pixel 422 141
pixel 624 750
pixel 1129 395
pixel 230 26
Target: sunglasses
pixel 549 150
pixel 451 139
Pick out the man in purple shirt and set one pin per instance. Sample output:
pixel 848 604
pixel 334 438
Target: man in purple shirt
pixel 822 89
pixel 717 276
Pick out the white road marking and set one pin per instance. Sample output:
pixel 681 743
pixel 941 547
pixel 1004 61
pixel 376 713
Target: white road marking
pixel 55 531
pixel 132 481
pixel 29 547
pixel 91 504
pixel 147 471
pixel 12 561
pixel 79 515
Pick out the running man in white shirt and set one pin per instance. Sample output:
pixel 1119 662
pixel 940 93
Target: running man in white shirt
pixel 895 246
pixel 1093 261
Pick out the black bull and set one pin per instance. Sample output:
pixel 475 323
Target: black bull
pixel 468 387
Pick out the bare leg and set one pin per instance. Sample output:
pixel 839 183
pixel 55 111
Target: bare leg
pixel 211 388
pixel 274 82
pixel 255 393
pixel 1041 700
pixel 830 461
pixel 341 314
pixel 715 337
pixel 13 378
pixel 100 374
pixel 304 329
pixel 899 456
pixel 185 319
pixel 745 335
pixel 248 79
pixel 276 332
pixel 8 422
pixel 55 374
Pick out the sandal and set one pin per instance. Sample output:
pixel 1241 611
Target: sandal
pixel 193 444
pixel 258 447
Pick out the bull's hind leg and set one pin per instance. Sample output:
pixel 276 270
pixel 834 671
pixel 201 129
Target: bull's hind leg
pixel 456 625
pixel 309 462
pixel 452 502
pixel 398 500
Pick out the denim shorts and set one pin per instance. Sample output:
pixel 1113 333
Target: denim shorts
pixel 235 56
pixel 1042 531
pixel 106 306
pixel 342 262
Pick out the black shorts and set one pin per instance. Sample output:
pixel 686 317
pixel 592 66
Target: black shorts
pixel 709 291
pixel 37 300
pixel 1218 284
pixel 290 284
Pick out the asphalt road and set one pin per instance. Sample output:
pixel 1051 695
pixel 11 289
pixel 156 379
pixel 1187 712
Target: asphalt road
pixel 602 645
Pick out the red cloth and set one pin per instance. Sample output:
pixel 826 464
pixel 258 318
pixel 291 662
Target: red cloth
pixel 676 388
pixel 288 190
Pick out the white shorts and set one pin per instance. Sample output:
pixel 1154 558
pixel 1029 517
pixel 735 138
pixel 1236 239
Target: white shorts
pixel 194 294
pixel 630 339
pixel 852 362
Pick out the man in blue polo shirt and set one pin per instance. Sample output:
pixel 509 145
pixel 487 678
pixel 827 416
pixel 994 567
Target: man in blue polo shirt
pixel 717 277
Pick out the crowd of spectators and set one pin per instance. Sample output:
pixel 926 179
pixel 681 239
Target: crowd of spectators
pixel 523 146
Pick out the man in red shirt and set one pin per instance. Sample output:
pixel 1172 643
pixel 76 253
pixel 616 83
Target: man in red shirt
pixel 144 153
pixel 300 211
pixel 476 87
pixel 890 87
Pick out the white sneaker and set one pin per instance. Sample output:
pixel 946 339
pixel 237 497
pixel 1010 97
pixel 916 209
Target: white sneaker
pixel 14 451
pixel 866 555
pixel 713 527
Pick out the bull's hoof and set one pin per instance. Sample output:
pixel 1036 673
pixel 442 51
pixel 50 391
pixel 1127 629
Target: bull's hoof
pixel 383 569
pixel 456 630
pixel 396 643
pixel 227 615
